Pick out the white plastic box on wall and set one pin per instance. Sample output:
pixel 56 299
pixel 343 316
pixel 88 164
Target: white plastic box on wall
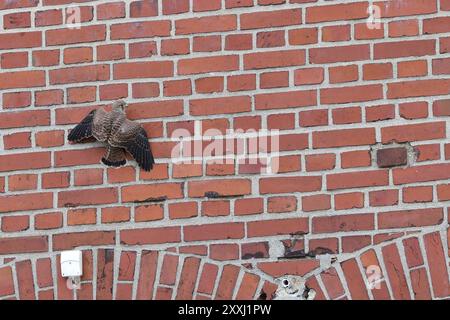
pixel 71 263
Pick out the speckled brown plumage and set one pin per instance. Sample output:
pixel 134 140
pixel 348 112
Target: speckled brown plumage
pixel 119 133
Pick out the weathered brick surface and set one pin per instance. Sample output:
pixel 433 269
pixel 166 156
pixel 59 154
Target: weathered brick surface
pixel 363 116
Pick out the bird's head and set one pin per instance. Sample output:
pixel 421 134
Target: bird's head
pixel 120 105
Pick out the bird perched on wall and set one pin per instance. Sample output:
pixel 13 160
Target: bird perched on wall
pixel 119 133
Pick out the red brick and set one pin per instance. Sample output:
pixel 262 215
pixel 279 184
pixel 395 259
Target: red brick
pixel 303 36
pixel 353 222
pixel 274 59
pixel 142 49
pixel 399 49
pixel 413 132
pixel 110 52
pixel 347 115
pixel 81 217
pixel 270 39
pixel 87 197
pixel 413 7
pixel 25 280
pixel 22 79
pixel 238 42
pixel 133 70
pixel 441 108
pixel 345 201
pixel 269 19
pixel 316 203
pixel 422 173
pixel 379 113
pixel 355 282
pixel 410 218
pixel 206 24
pixel 71 36
pixel 66 241
pixel 150 235
pixel 15 223
pixel 223 252
pixel 294 267
pixel 351 94
pixel 282 100
pixel 420 285
pixel 112 10
pixel 208 64
pixel 149 213
pixel 234 187
pixel 147 275
pixel 336 12
pixel 414 68
pixel 171 47
pixel 17 140
pixel 281 204
pixel 23 245
pixel 20 40
pixel 29 201
pixel 418 194
pixel 169 270
pixel 395 272
pixel 413 110
pixel 14 60
pixel 175 6
pixel 227 282
pixel 207 44
pixel 207 278
pixel 209 85
pixel 413 253
pixel 403 28
pixel 47 221
pixel 44 272
pixel 342 74
pixel 248 287
pixel 345 137
pixel 238 3
pixel 248 206
pixel 142 29
pixel 188 278
pixel 336 33
pixel 183 210
pixel 16 100
pixel 383 198
pixel 277 227
pixel 216 231
pixel 308 76
pixel 290 184
pixel 339 54
pixel 48 18
pixel 355 243
pixel 274 80
pixel 115 214
pixel 139 193
pixel 436 25
pixel 418 88
pixel 331 280
pixel 377 71
pixel 437 264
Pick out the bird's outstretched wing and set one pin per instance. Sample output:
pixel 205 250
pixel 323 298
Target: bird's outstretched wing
pixel 84 129
pixel 134 139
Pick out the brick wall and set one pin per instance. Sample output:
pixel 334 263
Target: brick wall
pixel 363 175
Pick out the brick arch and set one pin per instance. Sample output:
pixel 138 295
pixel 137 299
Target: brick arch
pixel 111 273
pixel 412 267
